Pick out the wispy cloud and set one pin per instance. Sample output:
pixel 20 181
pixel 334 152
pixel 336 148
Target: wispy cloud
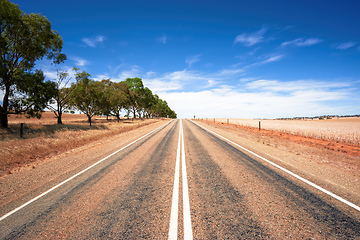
pixel 267 60
pixel 249 39
pixel 345 45
pixel 79 62
pixel 190 60
pixel 94 41
pixel 228 72
pixel 163 39
pixel 293 86
pixel 301 42
pixel 273 59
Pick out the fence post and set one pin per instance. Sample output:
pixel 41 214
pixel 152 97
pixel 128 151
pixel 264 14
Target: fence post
pixel 228 121
pixel 21 130
pixel 259 125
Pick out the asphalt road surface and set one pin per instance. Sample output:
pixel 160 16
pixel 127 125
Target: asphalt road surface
pixel 179 181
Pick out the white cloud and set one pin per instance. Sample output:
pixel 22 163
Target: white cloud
pixel 94 41
pixel 301 42
pixel 227 101
pixel 249 39
pixel 268 60
pixel 190 60
pixel 273 59
pixel 346 45
pixel 229 72
pixel 163 39
pixel 293 86
pixel 79 62
pixel 180 80
pixel 133 72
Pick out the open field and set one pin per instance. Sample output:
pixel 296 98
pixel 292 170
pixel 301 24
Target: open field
pixel 344 130
pixel 43 137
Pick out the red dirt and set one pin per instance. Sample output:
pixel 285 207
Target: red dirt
pixel 312 142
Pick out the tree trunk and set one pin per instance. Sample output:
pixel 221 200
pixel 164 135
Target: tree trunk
pixel 59 121
pixel 3 120
pixel 89 119
pixel 3 108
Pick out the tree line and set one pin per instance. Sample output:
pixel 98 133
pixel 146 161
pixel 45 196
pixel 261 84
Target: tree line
pixel 27 38
pixel 106 98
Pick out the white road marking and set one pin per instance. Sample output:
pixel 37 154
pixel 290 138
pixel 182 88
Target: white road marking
pixel 78 174
pixel 287 171
pixel 186 202
pixel 175 199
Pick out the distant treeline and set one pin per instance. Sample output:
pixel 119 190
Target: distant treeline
pixel 320 117
pixel 107 98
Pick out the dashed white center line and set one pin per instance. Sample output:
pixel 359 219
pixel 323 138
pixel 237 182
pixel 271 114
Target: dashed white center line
pixel 175 200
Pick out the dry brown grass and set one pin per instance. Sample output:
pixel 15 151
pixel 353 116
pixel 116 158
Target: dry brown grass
pixel 343 130
pixel 43 138
pixel 285 133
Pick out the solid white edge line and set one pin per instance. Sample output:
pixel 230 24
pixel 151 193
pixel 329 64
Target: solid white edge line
pixel 175 197
pixel 287 171
pixel 186 202
pixel 81 172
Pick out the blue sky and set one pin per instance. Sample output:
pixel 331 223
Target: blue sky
pixel 226 58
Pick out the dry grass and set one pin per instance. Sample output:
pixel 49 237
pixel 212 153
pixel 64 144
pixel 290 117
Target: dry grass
pixel 344 130
pixel 44 137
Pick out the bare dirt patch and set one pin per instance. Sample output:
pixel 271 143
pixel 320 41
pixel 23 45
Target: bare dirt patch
pixel 337 155
pixel 44 138
pixel 351 149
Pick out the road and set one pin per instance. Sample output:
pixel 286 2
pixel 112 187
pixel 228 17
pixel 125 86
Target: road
pixel 178 181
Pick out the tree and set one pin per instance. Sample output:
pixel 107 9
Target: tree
pixel 24 39
pixel 161 108
pixel 147 102
pixel 63 94
pixel 87 95
pixel 136 89
pixel 118 97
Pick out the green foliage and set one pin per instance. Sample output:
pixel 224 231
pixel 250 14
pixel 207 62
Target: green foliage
pixel 87 95
pixel 62 96
pixel 110 98
pixel 24 39
pixel 136 93
pixel 115 98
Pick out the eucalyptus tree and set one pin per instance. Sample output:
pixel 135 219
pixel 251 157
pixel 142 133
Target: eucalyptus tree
pixel 114 99
pixel 24 39
pixel 88 95
pixel 147 102
pixel 136 93
pixel 63 94
pixel 119 98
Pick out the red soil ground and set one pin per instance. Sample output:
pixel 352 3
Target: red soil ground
pixel 312 142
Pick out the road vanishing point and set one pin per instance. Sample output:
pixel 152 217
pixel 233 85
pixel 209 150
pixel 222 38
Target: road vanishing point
pixel 179 180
